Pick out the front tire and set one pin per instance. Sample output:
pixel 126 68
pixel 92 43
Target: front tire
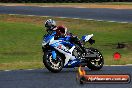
pixel 96 64
pixel 53 66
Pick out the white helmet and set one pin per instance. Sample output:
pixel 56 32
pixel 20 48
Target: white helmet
pixel 49 24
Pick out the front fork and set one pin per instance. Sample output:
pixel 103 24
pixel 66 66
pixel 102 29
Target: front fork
pixel 53 55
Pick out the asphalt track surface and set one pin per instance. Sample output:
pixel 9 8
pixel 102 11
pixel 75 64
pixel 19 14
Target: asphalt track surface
pixel 42 78
pixel 119 15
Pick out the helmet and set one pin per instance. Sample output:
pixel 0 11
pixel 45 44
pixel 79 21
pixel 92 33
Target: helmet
pixel 50 24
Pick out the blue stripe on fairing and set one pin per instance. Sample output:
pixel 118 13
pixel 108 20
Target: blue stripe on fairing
pixel 67 43
pixel 49 36
pixel 66 38
pixel 74 64
pixel 84 37
pixel 55 44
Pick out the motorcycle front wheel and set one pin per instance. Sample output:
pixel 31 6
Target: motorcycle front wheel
pixel 54 66
pixel 97 63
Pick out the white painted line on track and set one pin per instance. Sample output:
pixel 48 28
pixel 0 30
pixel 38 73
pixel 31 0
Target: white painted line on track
pixel 76 18
pixel 123 22
pixel 60 17
pixel 88 19
pixel 29 69
pixel 129 64
pixel 111 21
pixel 99 20
pixel 119 65
pixel 75 67
pixel 7 70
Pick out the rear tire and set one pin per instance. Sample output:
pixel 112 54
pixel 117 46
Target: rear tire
pixel 100 61
pixel 49 65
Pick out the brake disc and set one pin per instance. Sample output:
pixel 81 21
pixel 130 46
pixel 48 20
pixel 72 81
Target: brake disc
pixel 54 65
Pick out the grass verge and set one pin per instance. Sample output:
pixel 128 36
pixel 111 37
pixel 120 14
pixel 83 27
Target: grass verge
pixel 113 5
pixel 21 36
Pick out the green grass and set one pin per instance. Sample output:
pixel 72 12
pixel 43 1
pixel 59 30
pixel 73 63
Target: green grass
pixel 20 42
pixel 21 36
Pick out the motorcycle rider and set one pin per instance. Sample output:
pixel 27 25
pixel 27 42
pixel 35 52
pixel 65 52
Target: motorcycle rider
pixel 61 31
pixel 51 26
